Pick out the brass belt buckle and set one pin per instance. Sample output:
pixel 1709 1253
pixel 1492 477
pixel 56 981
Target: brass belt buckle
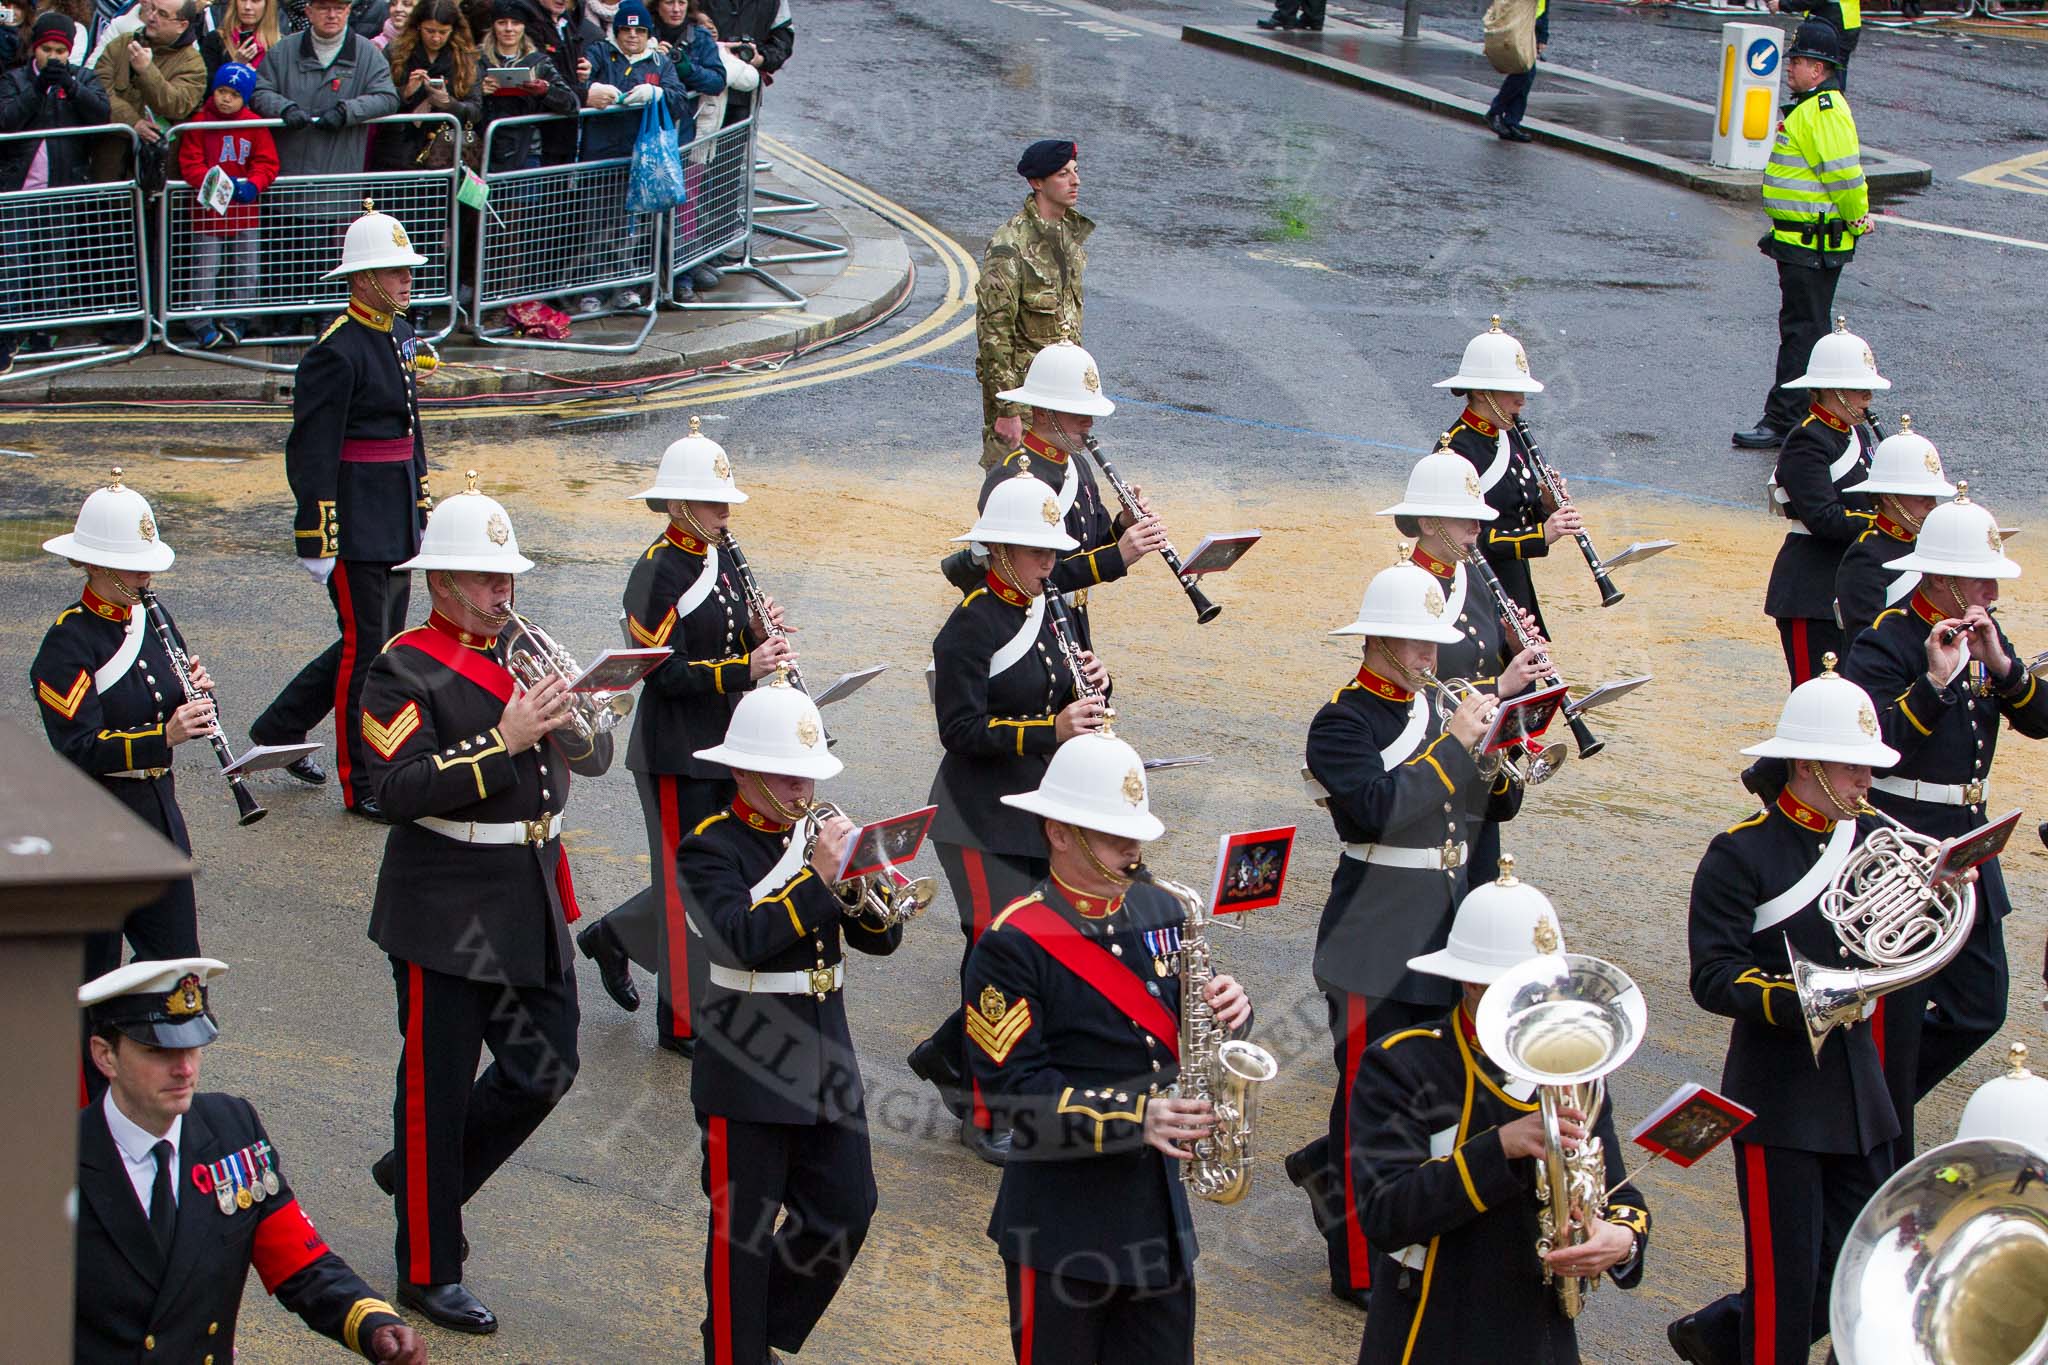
pixel 1453 856
pixel 1973 793
pixel 537 830
pixel 821 981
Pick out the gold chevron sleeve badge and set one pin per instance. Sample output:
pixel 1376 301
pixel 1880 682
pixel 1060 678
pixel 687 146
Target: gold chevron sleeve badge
pixel 66 704
pixel 652 639
pixel 997 1036
pixel 386 736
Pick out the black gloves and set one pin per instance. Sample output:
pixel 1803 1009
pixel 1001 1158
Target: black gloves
pixel 330 119
pixel 294 117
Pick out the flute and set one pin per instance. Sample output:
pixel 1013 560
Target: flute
pixel 160 622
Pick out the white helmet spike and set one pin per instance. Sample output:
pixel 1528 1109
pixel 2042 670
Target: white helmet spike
pixel 1062 378
pixel 1404 602
pixel 1828 719
pixel 469 533
pixel 115 530
pixel 1097 782
pixel 1443 484
pixel 1494 362
pixel 375 241
pixel 1905 462
pixel 1500 924
pixel 1959 539
pixel 1021 511
pixel 1841 360
pixel 695 469
pixel 776 729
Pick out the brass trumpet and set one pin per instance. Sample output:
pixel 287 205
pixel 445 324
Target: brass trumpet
pixel 532 656
pixel 1529 762
pixel 889 898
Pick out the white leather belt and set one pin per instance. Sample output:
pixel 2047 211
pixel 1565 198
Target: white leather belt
pixel 488 832
pixel 1934 793
pixel 819 982
pixel 139 774
pixel 1442 858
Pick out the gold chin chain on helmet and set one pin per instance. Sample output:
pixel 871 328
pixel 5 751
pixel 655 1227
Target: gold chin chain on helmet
pixel 1901 515
pixel 497 618
pixel 122 590
pixel 696 527
pixel 999 559
pixel 1845 810
pixel 1396 669
pixel 1500 419
pixel 1433 528
pixel 1069 443
pixel 1120 880
pixel 787 814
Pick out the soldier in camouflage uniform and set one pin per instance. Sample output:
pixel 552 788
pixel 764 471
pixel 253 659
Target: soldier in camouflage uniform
pixel 1030 290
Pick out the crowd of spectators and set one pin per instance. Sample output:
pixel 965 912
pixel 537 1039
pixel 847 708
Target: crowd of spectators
pixel 325 69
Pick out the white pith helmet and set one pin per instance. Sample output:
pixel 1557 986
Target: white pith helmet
pixel 1905 462
pixel 1095 781
pixel 1022 510
pixel 469 533
pixel 1404 603
pixel 1830 719
pixel 1959 539
pixel 695 469
pixel 115 530
pixel 1840 360
pixel 375 241
pixel 1500 924
pixel 1443 484
pixel 1063 378
pixel 2013 1106
pixel 776 729
pixel 1493 361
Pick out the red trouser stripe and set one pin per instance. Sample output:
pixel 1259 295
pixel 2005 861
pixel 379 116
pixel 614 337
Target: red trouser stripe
pixel 721 1244
pixel 344 723
pixel 676 931
pixel 1027 1291
pixel 1802 665
pixel 1357 1253
pixel 1763 1269
pixel 982 912
pixel 1877 1031
pixel 417 1231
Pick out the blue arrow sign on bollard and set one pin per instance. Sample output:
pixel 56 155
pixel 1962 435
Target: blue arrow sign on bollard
pixel 1762 57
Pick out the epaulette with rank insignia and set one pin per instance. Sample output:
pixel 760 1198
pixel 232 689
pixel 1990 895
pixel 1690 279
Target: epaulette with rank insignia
pixel 1826 100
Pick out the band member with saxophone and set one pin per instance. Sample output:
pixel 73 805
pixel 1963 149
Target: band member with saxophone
pixel 1948 675
pixel 1074 1034
pixel 1822 1138
pixel 1429 1093
pixel 1906 482
pixel 1818 464
pixel 1495 382
pixel 1396 768
pixel 776 1084
pixel 1010 685
pixel 682 593
pixel 474 897
pixel 357 462
pixel 108 695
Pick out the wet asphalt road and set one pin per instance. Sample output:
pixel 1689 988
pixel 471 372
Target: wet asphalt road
pixel 1281 272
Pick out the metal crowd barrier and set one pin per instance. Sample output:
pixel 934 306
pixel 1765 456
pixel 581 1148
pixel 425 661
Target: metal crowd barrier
pixel 72 256
pixel 719 220
pixel 772 202
pixel 301 220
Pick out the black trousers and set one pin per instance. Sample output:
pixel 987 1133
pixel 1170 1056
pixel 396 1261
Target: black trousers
pixel 982 885
pixel 452 1128
pixel 1806 642
pixel 651 923
pixel 370 601
pixel 767 1285
pixel 1806 297
pixel 1058 1320
pixel 1299 11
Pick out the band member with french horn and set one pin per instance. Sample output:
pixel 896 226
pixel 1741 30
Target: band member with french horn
pixel 1446 1164
pixel 474 898
pixel 1391 757
pixel 1005 688
pixel 1822 1138
pixel 775 1083
pixel 1076 1036
pixel 682 593
pixel 1906 482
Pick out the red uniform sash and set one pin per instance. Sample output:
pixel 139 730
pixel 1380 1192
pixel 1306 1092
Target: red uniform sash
pixel 481 669
pixel 1100 971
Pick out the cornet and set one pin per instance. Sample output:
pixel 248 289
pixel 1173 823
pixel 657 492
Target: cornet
pixel 888 897
pixel 1528 762
pixel 532 656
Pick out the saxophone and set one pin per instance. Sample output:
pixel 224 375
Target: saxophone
pixel 1225 1071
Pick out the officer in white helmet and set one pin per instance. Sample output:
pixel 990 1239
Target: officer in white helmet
pixel 111 702
pixel 1906 481
pixel 684 593
pixel 1946 676
pixel 357 463
pixel 1439 1165
pixel 474 897
pixel 1822 1139
pixel 1402 789
pixel 1006 698
pixel 776 1083
pixel 1073 1025
pixel 1818 487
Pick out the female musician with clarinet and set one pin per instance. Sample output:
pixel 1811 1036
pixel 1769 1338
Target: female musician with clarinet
pixel 112 702
pixel 685 592
pixel 1008 693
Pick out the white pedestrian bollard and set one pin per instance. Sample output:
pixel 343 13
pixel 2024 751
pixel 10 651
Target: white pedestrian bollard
pixel 1746 119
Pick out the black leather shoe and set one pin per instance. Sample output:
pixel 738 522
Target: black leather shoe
pixel 1763 436
pixel 1360 1299
pixel 370 810
pixel 384 1170
pixel 1277 24
pixel 1505 131
pixel 682 1047
pixel 307 770
pixel 451 1306
pixel 1300 1169
pixel 600 943
pixel 994 1148
pixel 1688 1338
pixel 927 1063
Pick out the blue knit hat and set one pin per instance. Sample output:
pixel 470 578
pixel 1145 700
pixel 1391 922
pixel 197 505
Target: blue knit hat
pixel 632 14
pixel 236 77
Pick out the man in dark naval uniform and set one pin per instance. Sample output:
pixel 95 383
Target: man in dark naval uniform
pixel 1905 479
pixel 1820 460
pixel 180 1193
pixel 776 1084
pixel 1445 1167
pixel 1006 698
pixel 684 593
pixel 357 462
pixel 1821 1142
pixel 1074 1035
pixel 1405 796
pixel 1495 382
pixel 474 897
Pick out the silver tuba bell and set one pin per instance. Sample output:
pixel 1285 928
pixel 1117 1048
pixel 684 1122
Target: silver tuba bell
pixel 533 657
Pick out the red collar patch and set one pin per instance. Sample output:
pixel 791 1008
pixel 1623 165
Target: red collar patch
pixel 1926 610
pixel 1465 1024
pixel 369 317
pixel 683 540
pixel 1893 529
pixel 1090 907
pixel 1479 424
pixel 1380 687
pixel 753 819
pixel 436 621
pixel 1801 814
pixel 100 606
pixel 1042 449
pixel 1436 566
pixel 1828 418
pixel 1003 590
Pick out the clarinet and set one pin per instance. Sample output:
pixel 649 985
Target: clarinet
pixel 1588 742
pixel 1553 487
pixel 1070 646
pixel 757 601
pixel 160 622
pixel 1205 610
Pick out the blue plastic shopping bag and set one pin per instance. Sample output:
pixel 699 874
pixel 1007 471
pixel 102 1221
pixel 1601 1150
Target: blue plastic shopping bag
pixel 655 180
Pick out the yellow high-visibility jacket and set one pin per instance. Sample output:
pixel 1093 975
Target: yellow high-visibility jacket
pixel 1814 189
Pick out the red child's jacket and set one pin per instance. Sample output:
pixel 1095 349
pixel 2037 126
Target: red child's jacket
pixel 244 153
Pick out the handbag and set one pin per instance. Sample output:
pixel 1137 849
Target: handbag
pixel 654 181
pixel 1511 36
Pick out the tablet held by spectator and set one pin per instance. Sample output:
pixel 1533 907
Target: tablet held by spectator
pixel 226 236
